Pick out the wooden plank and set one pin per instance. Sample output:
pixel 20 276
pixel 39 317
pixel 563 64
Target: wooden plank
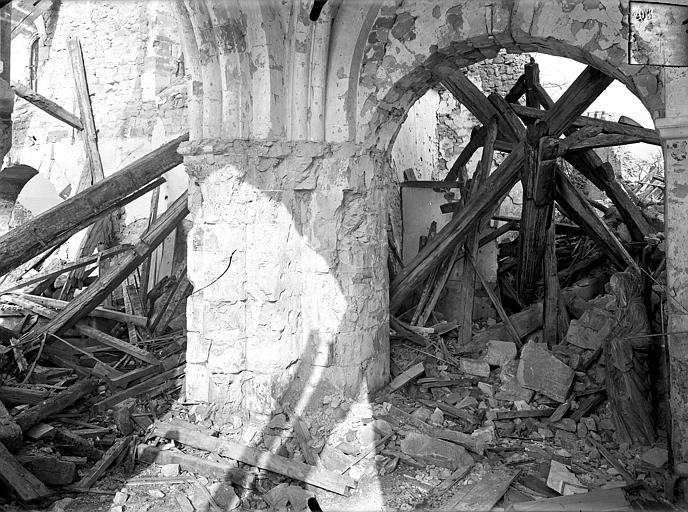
pixel 472 243
pixel 496 301
pixel 476 140
pixel 70 216
pixel 26 486
pixel 113 342
pixel 28 418
pixel 550 301
pixel 177 294
pixel 90 134
pixel 530 413
pixel 208 468
pixel 576 208
pixel 405 377
pixel 468 94
pixel 81 262
pixel 471 443
pixel 66 440
pixel 90 298
pixel 146 266
pixel 254 457
pixel 601 500
pixel 47 105
pixel 103 464
pixel 147 386
pixel 485 493
pixel 405 332
pixel 98 312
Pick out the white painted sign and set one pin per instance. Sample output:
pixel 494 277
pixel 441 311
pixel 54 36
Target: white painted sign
pixel 659 34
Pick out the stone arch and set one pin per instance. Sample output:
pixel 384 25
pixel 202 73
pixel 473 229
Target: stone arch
pixel 46 166
pixel 12 181
pixel 404 46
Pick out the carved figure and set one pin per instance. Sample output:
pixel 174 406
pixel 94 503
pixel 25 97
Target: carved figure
pixel 626 349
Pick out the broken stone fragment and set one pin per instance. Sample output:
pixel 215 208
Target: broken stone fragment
pixel 437 417
pixel 540 371
pixel 169 470
pixel 500 352
pixel 656 457
pixel 382 427
pixel 224 495
pixel 585 332
pixel 566 439
pixel 560 478
pixel 511 389
pixel 566 424
pixel 475 367
pixel 431 451
pixel 485 434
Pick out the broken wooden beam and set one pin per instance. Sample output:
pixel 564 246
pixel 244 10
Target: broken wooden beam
pixel 55 404
pixel 208 468
pixel 264 460
pixel 524 322
pixel 14 395
pixel 16 477
pixel 46 105
pixel 610 127
pixel 103 464
pixel 94 294
pixel 485 493
pixel 58 223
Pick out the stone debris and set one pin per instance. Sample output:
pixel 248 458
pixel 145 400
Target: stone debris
pixel 500 352
pixel 540 371
pixel 435 452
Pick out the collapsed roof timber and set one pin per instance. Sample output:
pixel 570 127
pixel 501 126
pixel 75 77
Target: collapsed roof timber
pixel 338 255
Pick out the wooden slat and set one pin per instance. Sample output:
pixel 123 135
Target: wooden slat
pixel 599 500
pixel 146 266
pixel 47 105
pixel 254 457
pixel 58 223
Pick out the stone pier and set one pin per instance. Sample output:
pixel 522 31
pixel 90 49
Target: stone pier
pixel 287 257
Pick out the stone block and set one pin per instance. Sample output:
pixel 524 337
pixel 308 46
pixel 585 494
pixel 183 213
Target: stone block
pixel 431 451
pixel 585 332
pixel 540 371
pixel 500 352
pixel 475 367
pixel 511 389
pixel 656 457
pixel 169 470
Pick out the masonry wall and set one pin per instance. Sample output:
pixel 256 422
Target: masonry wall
pixel 137 84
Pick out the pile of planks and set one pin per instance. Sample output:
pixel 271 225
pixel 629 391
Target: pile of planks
pixel 81 340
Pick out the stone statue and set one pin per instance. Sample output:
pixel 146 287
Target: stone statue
pixel 626 349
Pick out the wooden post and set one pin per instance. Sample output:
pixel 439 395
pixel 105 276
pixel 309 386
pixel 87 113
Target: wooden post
pixel 102 231
pixel 473 239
